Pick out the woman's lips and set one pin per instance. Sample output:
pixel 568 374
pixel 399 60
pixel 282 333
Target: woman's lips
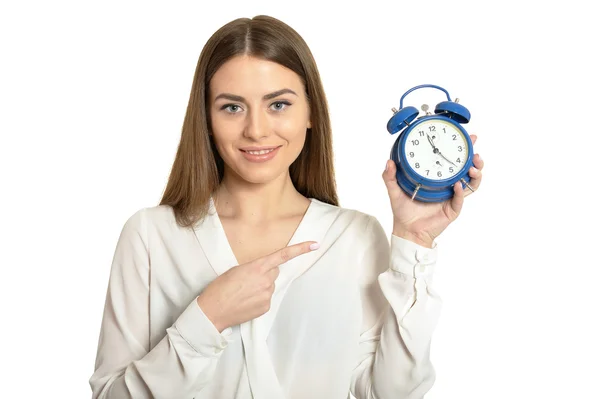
pixel 257 154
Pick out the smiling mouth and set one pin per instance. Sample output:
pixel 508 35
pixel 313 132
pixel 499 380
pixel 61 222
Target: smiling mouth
pixel 260 151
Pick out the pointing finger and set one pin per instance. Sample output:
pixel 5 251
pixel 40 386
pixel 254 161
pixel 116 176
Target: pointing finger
pixel 288 253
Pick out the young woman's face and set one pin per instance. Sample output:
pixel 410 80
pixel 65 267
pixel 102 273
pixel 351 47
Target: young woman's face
pixel 259 115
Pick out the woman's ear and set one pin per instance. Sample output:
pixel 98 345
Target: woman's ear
pixel 309 125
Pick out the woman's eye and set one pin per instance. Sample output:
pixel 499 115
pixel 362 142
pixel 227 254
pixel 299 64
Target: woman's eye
pixel 280 105
pixel 235 109
pixel 231 108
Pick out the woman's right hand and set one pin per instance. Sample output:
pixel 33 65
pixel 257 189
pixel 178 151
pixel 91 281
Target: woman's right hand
pixel 244 292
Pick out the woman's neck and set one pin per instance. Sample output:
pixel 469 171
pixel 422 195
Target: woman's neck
pixel 258 203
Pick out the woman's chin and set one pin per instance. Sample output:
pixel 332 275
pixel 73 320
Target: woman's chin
pixel 261 176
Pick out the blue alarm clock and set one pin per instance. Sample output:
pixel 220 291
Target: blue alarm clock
pixel 433 152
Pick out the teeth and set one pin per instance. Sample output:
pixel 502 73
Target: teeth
pixel 260 152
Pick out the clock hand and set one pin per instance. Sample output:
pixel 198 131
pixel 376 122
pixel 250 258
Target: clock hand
pixel 446 159
pixel 431 142
pixel 437 151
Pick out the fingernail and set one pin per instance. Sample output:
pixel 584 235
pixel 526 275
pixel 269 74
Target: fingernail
pixel 314 246
pixel 387 164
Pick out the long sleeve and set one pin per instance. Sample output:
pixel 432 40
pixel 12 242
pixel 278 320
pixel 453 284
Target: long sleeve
pixel 126 366
pixel 400 312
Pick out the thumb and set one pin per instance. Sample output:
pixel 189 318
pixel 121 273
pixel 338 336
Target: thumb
pixel 457 201
pixel 389 178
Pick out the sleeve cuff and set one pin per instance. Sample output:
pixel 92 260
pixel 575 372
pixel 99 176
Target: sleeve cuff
pixel 411 258
pixel 197 329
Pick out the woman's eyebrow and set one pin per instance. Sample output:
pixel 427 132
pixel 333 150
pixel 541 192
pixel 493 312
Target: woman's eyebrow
pixel 278 93
pixel 233 97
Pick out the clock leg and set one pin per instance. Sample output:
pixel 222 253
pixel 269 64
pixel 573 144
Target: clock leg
pixel 415 192
pixel 467 184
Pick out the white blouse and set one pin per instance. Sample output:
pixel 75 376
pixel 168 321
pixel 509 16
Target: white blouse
pixel 345 319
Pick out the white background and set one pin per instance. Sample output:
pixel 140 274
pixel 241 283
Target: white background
pixel 92 99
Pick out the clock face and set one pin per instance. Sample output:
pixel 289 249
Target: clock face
pixel 436 149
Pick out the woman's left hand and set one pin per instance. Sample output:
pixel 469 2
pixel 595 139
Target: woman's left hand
pixel 422 222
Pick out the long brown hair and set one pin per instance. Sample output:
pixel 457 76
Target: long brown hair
pixel 198 168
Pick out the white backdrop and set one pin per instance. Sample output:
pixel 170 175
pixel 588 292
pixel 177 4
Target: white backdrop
pixel 92 99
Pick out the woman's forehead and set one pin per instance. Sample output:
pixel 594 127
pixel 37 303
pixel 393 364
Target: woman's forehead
pixel 251 76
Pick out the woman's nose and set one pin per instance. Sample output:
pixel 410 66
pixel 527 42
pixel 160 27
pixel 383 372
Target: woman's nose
pixel 257 125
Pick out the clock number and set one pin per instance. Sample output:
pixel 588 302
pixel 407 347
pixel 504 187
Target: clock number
pixel 458 160
pixel 451 169
pixel 427 170
pixel 432 128
pixel 444 129
pixel 417 165
pixel 460 148
pixel 421 133
pixel 439 173
pixel 454 137
pixel 415 142
pixel 412 154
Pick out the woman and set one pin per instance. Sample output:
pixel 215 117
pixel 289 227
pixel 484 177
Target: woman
pixel 248 280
